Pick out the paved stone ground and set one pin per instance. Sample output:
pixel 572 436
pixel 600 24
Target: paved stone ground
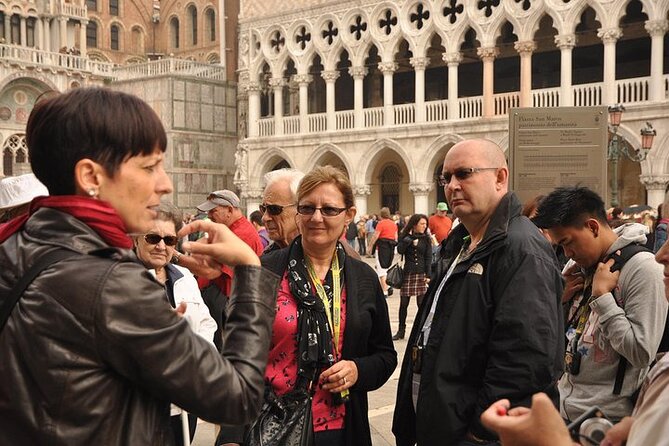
pixel 381 401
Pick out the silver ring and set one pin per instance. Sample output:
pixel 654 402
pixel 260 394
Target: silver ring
pixel 344 379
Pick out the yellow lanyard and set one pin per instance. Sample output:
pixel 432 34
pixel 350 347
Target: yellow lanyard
pixel 334 317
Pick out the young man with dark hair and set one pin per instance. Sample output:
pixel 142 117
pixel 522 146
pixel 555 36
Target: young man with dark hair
pixel 614 320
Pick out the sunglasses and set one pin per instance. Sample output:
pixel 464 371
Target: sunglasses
pixel 154 239
pixel 461 174
pixel 326 211
pixel 273 209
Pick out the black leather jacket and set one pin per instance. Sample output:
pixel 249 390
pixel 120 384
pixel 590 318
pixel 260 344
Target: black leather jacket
pixel 93 353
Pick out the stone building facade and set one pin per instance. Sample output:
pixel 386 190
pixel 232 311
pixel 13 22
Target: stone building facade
pixel 168 53
pixel 383 89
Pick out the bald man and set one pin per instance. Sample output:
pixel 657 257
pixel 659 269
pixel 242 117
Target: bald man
pixel 491 322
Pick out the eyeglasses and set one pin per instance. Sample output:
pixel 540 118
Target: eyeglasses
pixel 154 239
pixel 326 211
pixel 461 174
pixel 273 209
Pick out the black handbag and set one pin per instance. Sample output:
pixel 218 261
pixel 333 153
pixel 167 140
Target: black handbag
pixel 395 275
pixel 284 420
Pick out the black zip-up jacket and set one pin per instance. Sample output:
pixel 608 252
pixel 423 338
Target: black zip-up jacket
pixel 93 353
pixel 497 332
pixel 417 259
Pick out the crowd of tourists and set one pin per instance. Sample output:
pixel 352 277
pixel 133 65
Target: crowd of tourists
pixel 122 321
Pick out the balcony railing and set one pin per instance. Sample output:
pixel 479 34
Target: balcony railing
pixel 26 56
pixel 628 91
pixel 71 10
pixel 170 66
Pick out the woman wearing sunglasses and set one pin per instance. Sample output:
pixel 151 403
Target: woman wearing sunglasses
pixel 156 249
pixel 336 300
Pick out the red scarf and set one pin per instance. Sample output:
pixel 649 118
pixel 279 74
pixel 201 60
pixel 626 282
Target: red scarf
pixel 98 215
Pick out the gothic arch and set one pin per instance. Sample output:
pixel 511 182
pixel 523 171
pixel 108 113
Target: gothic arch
pixel 269 159
pixel 372 155
pixel 434 154
pixel 322 151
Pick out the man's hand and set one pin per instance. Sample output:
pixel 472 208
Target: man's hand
pixel 617 435
pixel 540 426
pixel 604 280
pixel 208 255
pixel 574 282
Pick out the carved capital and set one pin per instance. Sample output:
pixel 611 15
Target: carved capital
pixel 421 188
pixel 388 67
pixel 657 27
pixel 487 53
pixel 302 79
pixel 527 47
pixel 244 77
pixel 330 76
pixel 363 190
pixel 252 87
pixel 252 193
pixel 565 41
pixel 358 72
pixel 654 182
pixel 419 63
pixel 277 82
pixel 610 35
pixel 452 58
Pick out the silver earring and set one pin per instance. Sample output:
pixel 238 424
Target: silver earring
pixel 92 193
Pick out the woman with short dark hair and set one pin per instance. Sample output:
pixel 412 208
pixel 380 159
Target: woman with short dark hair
pixel 91 351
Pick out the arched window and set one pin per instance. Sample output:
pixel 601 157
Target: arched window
pixel 92 5
pixel 137 41
pixel 113 34
pixel 113 7
pixel 15 24
pixel 210 23
pixel 92 35
pixel 7 162
pixel 20 156
pixel 30 31
pixel 2 24
pixel 174 32
pixel 390 187
pixel 192 14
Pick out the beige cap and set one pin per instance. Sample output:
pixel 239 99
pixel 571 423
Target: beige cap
pixel 15 191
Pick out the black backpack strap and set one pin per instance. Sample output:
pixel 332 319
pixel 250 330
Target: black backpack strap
pixel 19 288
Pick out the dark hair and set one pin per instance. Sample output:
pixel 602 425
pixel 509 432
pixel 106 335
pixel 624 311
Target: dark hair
pixel 256 217
pixel 615 213
pixel 570 206
pixel 531 205
pixel 413 221
pixel 105 126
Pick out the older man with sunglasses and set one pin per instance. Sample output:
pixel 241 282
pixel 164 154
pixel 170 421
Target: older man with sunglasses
pixel 279 207
pixel 490 324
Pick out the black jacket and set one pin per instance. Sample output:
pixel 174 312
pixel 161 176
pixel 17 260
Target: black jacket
pixel 417 259
pixel 93 353
pixel 367 340
pixel 497 332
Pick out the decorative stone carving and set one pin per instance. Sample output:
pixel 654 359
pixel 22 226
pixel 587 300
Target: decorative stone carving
pixel 610 35
pixel 253 87
pixel 277 82
pixel 657 27
pixel 362 190
pixel 452 58
pixel 421 188
pixel 330 76
pixel 388 67
pixel 528 46
pixel 419 63
pixel 487 53
pixel 300 79
pixel 253 194
pixel 241 162
pixel 565 41
pixel 358 72
pixel 654 182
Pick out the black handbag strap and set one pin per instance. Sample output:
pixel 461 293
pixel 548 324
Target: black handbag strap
pixel 15 294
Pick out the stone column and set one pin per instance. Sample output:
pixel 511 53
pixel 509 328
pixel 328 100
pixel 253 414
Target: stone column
pixel 82 37
pixel 419 64
pixel 488 56
pixel 253 91
pixel 420 193
pixel 303 81
pixel 330 77
pixel 609 37
pixel 358 74
pixel 388 69
pixel 566 43
pixel 525 49
pixel 656 29
pixel 23 33
pixel 8 28
pixel 62 24
pixel 655 185
pixel 453 61
pixel 252 197
pixel 360 194
pixel 47 34
pixel 39 34
pixel 277 84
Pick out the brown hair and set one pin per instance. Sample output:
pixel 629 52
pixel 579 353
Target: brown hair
pixel 326 175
